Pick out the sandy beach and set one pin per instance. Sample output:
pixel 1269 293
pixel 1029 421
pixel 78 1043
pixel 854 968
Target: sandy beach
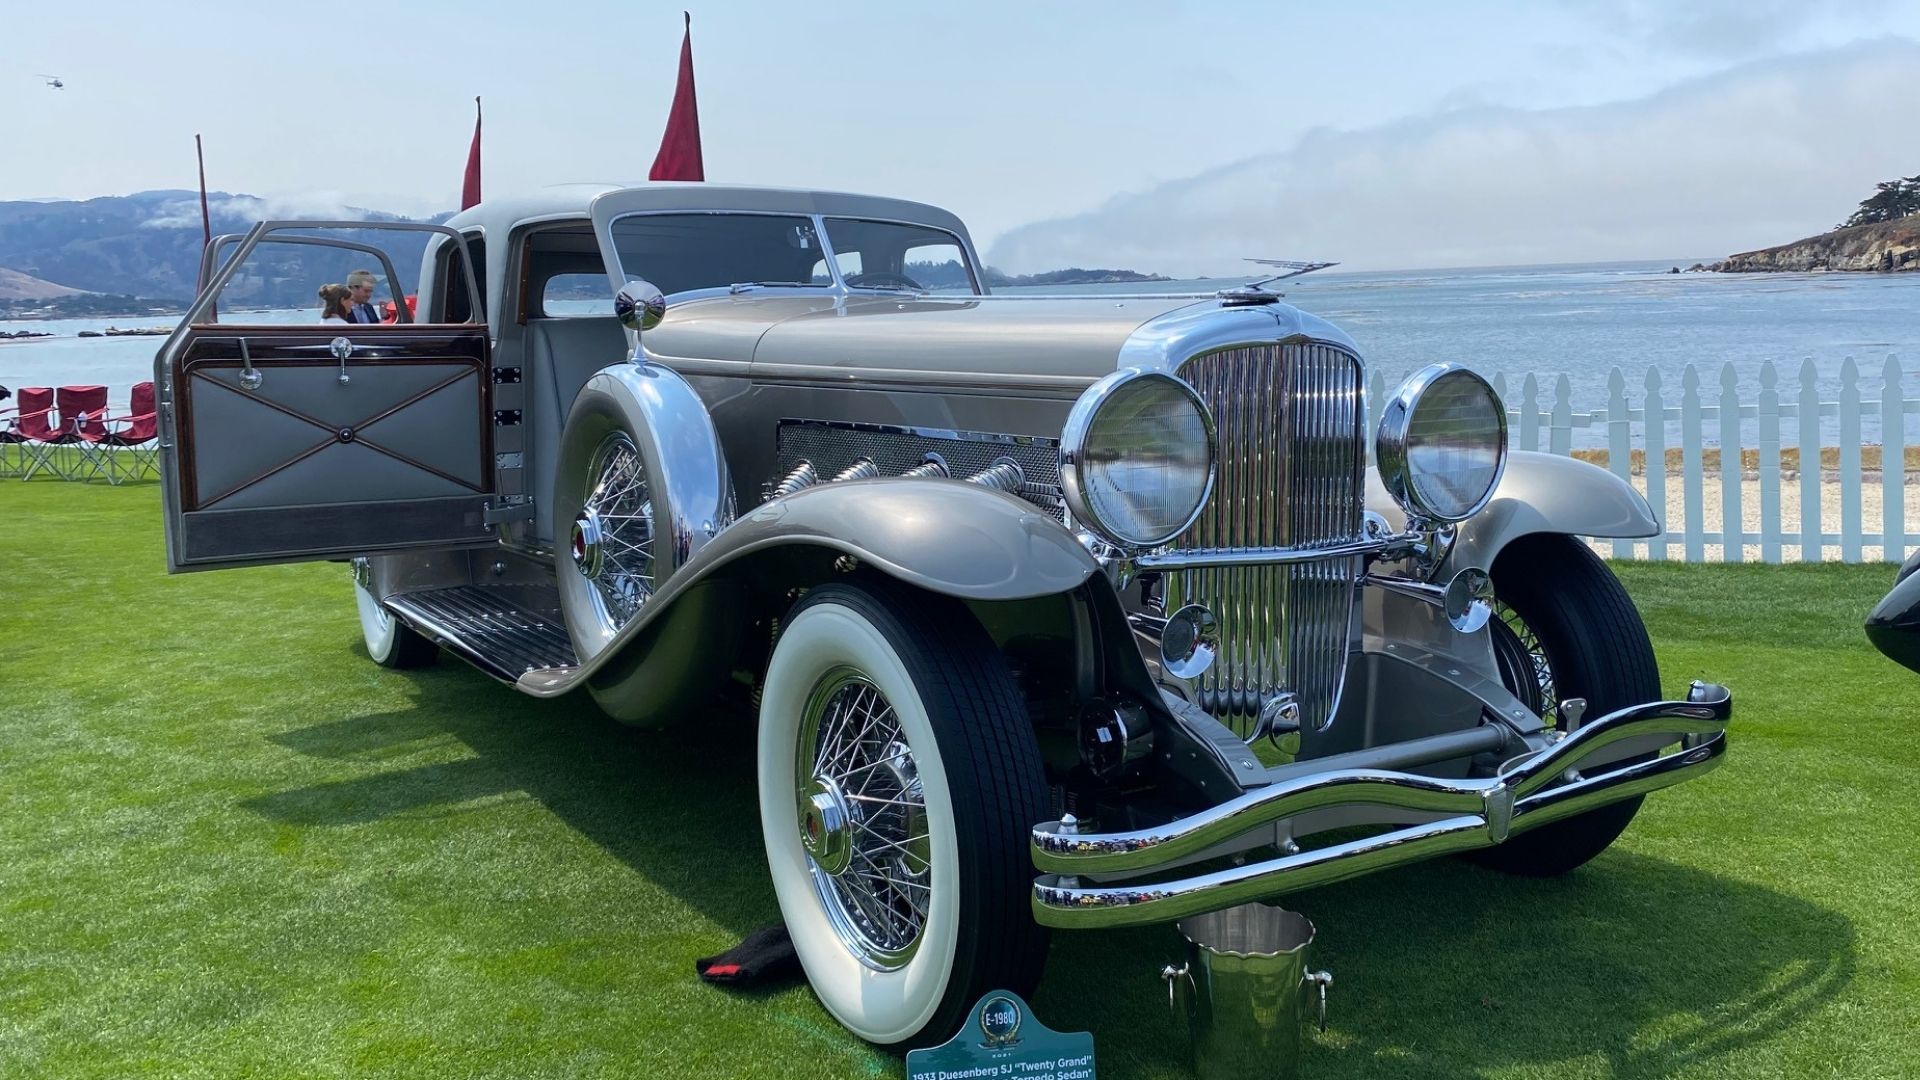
pixel 1871 516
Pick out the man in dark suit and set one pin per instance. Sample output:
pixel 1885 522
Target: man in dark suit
pixel 360 297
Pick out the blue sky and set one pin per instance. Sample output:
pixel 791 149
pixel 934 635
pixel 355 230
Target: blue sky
pixel 1166 135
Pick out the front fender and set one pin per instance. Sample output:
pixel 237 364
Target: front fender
pixel 945 536
pixel 1538 493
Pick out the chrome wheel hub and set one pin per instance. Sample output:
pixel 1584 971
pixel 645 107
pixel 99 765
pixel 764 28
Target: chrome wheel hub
pixel 612 536
pixel 863 820
pixel 826 827
pixel 586 543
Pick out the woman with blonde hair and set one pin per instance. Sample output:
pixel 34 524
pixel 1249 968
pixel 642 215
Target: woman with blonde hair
pixel 333 303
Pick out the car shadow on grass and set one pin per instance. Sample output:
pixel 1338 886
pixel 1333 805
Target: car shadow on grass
pixel 661 800
pixel 1631 967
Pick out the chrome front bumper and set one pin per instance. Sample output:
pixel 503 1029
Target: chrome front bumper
pixel 1529 792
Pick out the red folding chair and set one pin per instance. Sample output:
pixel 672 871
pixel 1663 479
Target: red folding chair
pixel 131 443
pixel 80 409
pixel 32 406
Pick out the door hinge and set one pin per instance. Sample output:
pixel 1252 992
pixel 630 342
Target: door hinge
pixel 506 417
pixel 507 508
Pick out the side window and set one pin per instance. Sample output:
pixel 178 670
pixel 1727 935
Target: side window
pixel 847 261
pixel 300 274
pixel 575 294
pixel 456 304
pixel 900 255
pixel 940 267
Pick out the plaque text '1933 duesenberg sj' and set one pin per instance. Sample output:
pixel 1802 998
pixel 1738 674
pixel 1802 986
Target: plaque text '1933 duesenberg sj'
pixel 1057 612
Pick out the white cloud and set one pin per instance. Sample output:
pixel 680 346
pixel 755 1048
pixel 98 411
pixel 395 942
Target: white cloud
pixel 1757 155
pixel 244 210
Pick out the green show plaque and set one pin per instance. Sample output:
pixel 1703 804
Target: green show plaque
pixel 1003 1039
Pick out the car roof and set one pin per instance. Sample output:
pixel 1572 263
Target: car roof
pixel 561 201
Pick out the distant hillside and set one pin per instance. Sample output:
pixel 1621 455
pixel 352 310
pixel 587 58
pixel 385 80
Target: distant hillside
pixel 15 285
pixel 148 244
pixel 1887 245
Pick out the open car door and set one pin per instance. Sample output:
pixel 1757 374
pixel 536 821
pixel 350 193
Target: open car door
pixel 283 443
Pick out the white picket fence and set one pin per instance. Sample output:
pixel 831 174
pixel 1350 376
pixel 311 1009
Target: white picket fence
pixel 1733 419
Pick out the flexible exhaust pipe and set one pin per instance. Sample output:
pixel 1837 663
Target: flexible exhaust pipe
pixel 934 466
pixel 1004 474
pixel 862 469
pixel 802 477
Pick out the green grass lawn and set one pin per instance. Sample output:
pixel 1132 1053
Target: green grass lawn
pixel 230 846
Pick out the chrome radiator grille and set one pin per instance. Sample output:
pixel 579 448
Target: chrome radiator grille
pixel 1292 461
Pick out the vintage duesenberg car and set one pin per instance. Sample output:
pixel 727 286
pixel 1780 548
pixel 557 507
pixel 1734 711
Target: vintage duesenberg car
pixel 1056 612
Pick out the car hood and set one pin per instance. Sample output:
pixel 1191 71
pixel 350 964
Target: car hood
pixel 1070 336
pixel 1054 341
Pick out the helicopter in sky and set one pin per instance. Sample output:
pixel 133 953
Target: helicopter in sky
pixel 53 81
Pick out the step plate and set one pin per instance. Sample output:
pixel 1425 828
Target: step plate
pixel 506 630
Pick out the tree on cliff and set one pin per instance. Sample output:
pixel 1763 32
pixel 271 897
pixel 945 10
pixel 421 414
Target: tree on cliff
pixel 1891 201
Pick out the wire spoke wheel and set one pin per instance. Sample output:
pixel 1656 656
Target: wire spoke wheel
pixel 863 819
pixel 1524 665
pixel 613 533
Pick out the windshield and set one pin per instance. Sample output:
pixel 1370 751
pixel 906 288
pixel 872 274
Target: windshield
pixel 682 252
pixel 891 255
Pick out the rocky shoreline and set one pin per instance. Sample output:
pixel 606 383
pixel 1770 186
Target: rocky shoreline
pixel 1884 247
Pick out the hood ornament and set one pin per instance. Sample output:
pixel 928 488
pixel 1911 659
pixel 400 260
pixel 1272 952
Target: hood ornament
pixel 1255 293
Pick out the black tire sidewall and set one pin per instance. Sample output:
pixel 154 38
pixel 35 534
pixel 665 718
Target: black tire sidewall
pixel 1598 649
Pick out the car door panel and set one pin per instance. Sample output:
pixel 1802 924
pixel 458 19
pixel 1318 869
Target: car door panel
pixel 302 464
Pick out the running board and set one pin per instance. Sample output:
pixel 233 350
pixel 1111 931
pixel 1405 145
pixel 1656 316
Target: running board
pixel 506 631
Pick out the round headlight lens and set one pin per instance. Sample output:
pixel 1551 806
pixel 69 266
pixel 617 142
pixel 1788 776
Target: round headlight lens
pixel 1136 459
pixel 1442 443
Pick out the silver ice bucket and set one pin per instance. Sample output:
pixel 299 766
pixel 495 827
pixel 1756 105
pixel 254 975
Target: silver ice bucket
pixel 1245 991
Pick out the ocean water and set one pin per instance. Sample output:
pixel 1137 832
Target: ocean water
pixel 1581 321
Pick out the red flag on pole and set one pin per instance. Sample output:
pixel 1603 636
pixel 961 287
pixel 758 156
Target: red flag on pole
pixel 679 157
pixel 470 188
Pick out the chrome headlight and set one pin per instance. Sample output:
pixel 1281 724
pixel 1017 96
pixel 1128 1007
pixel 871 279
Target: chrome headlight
pixel 1442 443
pixel 1136 458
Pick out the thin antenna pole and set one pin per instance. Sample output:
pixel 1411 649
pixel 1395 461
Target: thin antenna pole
pixel 206 217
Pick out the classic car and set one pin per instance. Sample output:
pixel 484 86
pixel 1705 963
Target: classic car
pixel 1055 612
pixel 1894 623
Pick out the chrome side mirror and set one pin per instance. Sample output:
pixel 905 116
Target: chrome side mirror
pixel 639 305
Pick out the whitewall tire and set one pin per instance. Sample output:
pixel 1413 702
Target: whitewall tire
pixel 390 642
pixel 898 780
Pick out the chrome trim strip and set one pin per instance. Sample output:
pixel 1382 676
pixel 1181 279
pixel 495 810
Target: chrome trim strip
pixel 1485 812
pixel 1002 438
pixel 1189 559
pixel 924 381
